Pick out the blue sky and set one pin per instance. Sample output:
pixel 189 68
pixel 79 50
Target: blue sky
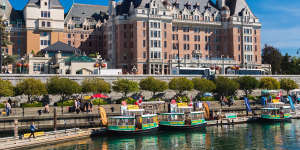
pixel 280 20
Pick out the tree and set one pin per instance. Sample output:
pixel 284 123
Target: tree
pixel 181 84
pixel 203 85
pixel 269 83
pixel 95 85
pixel 288 84
pixel 6 88
pixel 31 87
pixel 4 42
pixel 226 86
pixel 271 55
pixel 248 84
pixel 63 87
pixel 125 86
pixel 153 85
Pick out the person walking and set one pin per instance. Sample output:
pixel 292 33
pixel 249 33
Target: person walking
pixel 7 108
pixel 32 130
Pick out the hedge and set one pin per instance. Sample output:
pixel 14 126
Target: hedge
pixel 99 102
pixel 33 104
pixel 66 103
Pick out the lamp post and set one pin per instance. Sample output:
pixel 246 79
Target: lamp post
pixel 100 61
pixel 1 60
pixel 22 67
pixel 134 69
pixel 222 57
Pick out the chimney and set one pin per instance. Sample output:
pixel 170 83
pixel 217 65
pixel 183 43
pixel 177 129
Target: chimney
pixel 220 3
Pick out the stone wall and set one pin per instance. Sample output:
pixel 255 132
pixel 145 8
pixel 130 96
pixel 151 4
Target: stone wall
pixel 15 78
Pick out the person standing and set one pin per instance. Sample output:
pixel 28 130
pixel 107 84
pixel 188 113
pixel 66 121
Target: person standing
pixel 7 108
pixel 32 130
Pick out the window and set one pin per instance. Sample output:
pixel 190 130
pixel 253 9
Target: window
pixel 186 37
pixel 82 36
pixel 43 24
pixel 45 3
pixel 175 46
pixel 186 46
pixel 166 55
pixel 165 34
pixel 69 43
pixel 144 55
pixel 165 26
pixel 144 24
pixel 186 29
pixel 69 35
pixel 144 33
pixel 165 44
pixel 48 24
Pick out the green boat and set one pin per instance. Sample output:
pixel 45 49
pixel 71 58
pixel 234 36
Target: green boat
pixel 182 119
pixel 276 112
pixel 135 123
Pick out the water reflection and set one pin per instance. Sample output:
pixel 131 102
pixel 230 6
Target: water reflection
pixel 248 136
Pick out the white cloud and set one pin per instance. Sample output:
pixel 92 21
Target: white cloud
pixel 283 38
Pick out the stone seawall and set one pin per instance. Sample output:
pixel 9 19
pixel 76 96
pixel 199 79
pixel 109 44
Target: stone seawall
pixel 15 78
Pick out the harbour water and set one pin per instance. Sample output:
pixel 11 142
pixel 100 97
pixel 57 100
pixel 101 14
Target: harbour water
pixel 254 136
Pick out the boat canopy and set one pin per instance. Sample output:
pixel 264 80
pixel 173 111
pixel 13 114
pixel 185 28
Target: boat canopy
pixel 148 115
pixel 270 108
pixel 172 114
pixel 198 112
pixel 122 117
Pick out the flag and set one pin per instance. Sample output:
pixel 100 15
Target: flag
pixel 291 103
pixel 247 104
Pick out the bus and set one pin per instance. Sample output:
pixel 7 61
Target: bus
pixel 246 72
pixel 204 72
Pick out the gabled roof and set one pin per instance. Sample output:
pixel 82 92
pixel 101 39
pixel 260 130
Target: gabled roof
pixel 52 3
pixel 83 11
pixel 237 6
pixel 61 47
pixel 79 59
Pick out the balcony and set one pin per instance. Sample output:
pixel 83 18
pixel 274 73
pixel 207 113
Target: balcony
pixel 45 25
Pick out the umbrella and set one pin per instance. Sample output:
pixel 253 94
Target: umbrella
pixel 99 96
pixel 207 95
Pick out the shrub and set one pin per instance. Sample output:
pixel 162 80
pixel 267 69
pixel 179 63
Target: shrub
pixel 269 83
pixel 31 87
pixel 2 105
pixel 99 102
pixel 6 88
pixel 182 99
pixel 181 84
pixel 248 84
pixel 33 104
pixel 288 84
pixel 226 86
pixel 63 86
pixel 95 85
pixel 203 85
pixel 207 99
pixel 130 100
pixel 153 85
pixel 66 103
pixel 125 86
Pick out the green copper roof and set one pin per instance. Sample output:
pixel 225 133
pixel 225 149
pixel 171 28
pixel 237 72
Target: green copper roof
pixel 79 59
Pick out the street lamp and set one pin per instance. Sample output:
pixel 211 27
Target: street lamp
pixel 222 57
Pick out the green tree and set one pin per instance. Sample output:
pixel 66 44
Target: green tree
pixel 226 86
pixel 271 55
pixel 31 87
pixel 6 88
pixel 181 84
pixel 269 83
pixel 95 85
pixel 153 85
pixel 125 86
pixel 248 84
pixel 4 41
pixel 288 84
pixel 203 85
pixel 63 86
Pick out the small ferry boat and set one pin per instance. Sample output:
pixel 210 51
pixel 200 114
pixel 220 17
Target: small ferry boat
pixel 276 112
pixel 133 121
pixel 182 117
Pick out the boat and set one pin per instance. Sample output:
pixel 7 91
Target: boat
pixel 182 117
pixel 276 112
pixel 133 121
